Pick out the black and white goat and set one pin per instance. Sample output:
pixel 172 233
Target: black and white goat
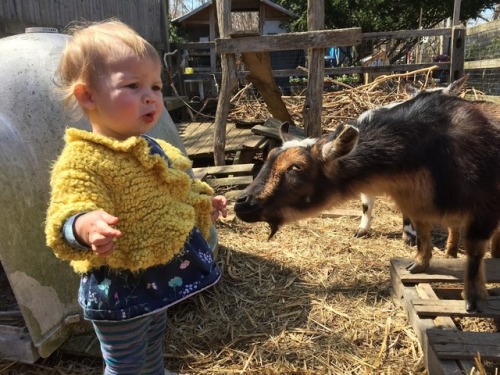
pixel 436 156
pixel 409 234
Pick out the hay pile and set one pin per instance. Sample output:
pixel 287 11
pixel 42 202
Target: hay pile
pixel 313 300
pixel 338 106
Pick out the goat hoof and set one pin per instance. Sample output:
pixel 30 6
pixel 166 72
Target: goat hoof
pixel 410 240
pixel 361 232
pixel 471 305
pixel 416 268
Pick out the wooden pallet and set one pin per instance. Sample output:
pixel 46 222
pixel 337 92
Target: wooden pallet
pixel 430 309
pixel 235 175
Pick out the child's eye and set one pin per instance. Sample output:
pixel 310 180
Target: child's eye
pixel 156 88
pixel 133 85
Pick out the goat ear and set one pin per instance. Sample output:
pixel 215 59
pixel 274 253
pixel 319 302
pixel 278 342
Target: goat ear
pixel 343 144
pixel 455 87
pixel 284 134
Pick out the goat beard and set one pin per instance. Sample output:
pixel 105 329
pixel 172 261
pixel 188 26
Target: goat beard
pixel 275 225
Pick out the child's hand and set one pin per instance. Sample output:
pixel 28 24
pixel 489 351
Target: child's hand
pixel 95 229
pixel 219 203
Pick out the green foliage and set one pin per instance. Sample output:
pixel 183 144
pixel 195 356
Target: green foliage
pixel 384 15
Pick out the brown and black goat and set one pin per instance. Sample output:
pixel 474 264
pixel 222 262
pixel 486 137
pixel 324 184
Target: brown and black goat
pixel 409 234
pixel 437 156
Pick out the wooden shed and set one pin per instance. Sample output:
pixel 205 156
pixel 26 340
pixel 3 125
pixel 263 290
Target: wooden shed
pixel 379 58
pixel 201 28
pixel 147 17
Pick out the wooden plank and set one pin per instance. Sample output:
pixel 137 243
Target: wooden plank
pixel 273 132
pixel 487 26
pixel 230 181
pixel 444 270
pixel 266 131
pixel 340 213
pixel 173 102
pixel 77 344
pixel 256 143
pixel 482 64
pixel 225 169
pixel 465 345
pixel 421 327
pixel 490 308
pixel 290 41
pixel 442 322
pixel 17 346
pixel 402 34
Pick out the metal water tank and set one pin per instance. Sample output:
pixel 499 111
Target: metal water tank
pixel 32 122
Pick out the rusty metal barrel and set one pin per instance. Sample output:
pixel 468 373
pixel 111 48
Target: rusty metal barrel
pixel 40 310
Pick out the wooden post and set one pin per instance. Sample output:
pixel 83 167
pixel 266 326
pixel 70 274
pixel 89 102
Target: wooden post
pixel 228 81
pixel 165 21
pixel 456 12
pixel 316 62
pixel 212 35
pixel 457 45
pixel 457 53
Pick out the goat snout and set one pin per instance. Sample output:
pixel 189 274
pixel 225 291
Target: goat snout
pixel 246 208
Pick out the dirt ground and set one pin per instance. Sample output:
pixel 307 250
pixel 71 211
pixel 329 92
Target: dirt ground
pixel 313 300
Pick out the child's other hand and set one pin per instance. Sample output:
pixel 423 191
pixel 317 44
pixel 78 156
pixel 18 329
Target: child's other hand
pixel 219 203
pixel 95 229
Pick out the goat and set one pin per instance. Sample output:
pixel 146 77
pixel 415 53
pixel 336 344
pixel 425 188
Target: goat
pixel 436 156
pixel 409 234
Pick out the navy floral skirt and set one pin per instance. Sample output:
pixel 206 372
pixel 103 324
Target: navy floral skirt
pixel 106 294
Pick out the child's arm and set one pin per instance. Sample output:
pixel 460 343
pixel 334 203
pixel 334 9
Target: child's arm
pixel 95 229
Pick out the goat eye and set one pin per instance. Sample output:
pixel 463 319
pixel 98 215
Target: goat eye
pixel 296 167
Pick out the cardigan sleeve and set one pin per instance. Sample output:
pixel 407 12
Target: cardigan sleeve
pixel 74 189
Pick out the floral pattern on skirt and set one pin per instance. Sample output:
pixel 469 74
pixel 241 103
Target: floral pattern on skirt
pixel 115 295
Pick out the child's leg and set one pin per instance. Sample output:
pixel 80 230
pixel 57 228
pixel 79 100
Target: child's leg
pixel 124 345
pixel 154 353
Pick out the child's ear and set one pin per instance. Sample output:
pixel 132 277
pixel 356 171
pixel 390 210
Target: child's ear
pixel 84 96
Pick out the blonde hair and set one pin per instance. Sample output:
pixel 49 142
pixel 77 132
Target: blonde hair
pixel 91 49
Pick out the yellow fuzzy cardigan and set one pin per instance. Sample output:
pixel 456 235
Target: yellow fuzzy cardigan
pixel 157 206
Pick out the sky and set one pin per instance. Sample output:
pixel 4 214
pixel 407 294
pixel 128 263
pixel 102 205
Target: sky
pixel 488 14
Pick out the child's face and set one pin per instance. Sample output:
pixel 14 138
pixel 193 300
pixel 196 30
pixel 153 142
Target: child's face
pixel 127 98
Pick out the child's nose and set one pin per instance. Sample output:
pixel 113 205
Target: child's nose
pixel 149 98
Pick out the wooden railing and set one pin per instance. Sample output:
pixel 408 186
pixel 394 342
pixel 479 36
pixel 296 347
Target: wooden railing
pixel 327 38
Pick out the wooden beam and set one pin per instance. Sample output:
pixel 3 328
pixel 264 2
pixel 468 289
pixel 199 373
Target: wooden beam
pixel 261 75
pixel 225 169
pixel 404 34
pixel 228 64
pixel 229 181
pixel 313 102
pixel 457 53
pixel 488 26
pixel 482 64
pixel 465 345
pixel 291 41
pixel 456 12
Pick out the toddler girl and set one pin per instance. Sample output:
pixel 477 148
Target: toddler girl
pixel 123 209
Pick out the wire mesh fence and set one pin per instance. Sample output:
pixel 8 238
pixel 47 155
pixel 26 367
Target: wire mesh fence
pixel 482 57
